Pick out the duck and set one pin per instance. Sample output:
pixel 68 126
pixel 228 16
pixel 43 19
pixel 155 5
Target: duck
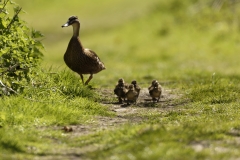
pixel 136 86
pixel 120 90
pixel 155 91
pixel 132 94
pixel 79 59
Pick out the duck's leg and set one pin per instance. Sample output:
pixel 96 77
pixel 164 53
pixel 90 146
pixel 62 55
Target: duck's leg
pixel 89 79
pixel 82 78
pixel 119 99
pixel 135 102
pixel 154 99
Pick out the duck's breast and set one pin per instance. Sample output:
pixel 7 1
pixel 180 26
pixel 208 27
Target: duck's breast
pixel 72 56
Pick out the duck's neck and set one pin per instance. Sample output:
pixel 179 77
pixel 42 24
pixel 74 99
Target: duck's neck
pixel 76 28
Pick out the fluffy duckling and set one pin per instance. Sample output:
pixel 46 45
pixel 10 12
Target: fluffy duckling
pixel 155 91
pixel 121 90
pixel 132 94
pixel 136 86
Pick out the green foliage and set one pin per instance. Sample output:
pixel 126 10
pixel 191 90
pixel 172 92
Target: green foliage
pixel 20 50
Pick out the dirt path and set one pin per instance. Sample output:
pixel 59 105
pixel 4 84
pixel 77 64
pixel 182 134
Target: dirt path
pixel 126 113
pixel 131 113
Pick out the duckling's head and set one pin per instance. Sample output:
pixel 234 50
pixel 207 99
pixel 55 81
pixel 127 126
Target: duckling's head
pixel 121 81
pixel 71 20
pixel 134 82
pixel 154 81
pixel 131 87
pixel 156 84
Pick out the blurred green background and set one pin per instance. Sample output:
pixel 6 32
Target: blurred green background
pixel 144 40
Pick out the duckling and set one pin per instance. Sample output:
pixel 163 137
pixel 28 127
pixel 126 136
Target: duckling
pixel 136 86
pixel 121 90
pixel 78 58
pixel 131 94
pixel 155 91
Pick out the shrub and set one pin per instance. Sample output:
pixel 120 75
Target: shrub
pixel 20 50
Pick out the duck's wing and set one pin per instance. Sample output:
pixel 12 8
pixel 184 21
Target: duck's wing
pixel 92 56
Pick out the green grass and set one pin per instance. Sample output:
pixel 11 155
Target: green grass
pixel 58 97
pixel 52 100
pixel 191 47
pixel 171 135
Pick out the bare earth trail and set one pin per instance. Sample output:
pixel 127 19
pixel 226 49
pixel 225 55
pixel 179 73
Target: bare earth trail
pixel 125 114
pixel 144 104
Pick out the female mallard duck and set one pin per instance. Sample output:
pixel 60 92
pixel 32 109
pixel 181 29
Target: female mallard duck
pixel 78 58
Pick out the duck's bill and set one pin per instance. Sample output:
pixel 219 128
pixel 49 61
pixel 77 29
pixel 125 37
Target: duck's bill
pixel 65 25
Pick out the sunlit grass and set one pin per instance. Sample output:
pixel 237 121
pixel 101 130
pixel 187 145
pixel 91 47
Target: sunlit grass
pixel 58 98
pixel 174 135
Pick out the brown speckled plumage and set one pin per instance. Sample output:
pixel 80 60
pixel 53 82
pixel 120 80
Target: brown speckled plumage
pixel 136 86
pixel 132 94
pixel 155 90
pixel 121 89
pixel 78 58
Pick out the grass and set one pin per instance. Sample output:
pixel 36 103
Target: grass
pixel 170 136
pixel 43 106
pixel 190 47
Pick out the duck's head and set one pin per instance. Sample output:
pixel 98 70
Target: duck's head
pixel 71 20
pixel 131 87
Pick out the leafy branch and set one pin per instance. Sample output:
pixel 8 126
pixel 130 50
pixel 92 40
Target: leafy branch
pixel 14 17
pixel 6 89
pixel 20 51
pixel 4 5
